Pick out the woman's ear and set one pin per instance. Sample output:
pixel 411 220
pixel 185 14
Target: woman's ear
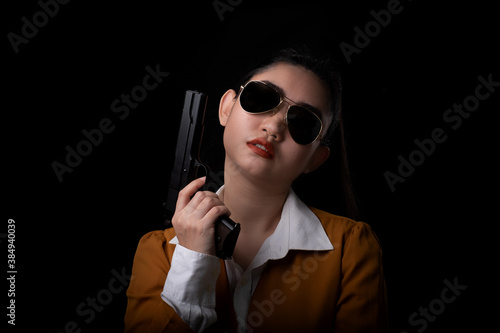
pixel 226 105
pixel 319 157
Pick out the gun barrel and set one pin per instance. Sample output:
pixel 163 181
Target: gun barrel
pixel 186 165
pixel 188 147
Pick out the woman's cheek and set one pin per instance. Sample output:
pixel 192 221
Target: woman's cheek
pixel 234 133
pixel 293 158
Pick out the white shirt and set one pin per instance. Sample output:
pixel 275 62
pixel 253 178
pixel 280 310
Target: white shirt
pixel 190 285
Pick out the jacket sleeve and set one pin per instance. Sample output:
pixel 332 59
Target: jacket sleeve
pixel 146 311
pixel 362 305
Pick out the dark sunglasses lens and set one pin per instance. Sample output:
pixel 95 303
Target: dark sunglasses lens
pixel 303 125
pixel 256 97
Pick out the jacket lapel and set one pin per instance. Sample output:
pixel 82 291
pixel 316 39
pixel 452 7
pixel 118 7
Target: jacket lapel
pixel 226 317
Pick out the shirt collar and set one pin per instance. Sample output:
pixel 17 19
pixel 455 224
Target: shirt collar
pixel 298 229
pixel 305 229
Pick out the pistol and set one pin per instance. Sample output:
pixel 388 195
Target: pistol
pixel 187 167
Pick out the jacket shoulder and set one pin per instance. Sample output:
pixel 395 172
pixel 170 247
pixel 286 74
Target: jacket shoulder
pixel 156 243
pixel 329 220
pixel 339 228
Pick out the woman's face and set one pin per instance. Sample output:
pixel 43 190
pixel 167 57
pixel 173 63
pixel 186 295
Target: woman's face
pixel 243 130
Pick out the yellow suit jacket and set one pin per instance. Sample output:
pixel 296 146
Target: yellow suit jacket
pixel 342 290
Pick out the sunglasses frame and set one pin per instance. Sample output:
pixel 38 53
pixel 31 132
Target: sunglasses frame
pixel 274 110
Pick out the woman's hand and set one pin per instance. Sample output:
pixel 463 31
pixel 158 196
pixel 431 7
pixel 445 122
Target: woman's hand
pixel 194 219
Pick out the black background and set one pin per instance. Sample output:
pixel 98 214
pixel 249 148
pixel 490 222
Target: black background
pixel 439 224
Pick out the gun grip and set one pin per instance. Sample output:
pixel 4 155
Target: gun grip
pixel 226 235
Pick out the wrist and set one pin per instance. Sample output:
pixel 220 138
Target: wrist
pixel 197 247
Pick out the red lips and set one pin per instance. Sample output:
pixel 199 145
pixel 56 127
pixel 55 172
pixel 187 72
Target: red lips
pixel 261 147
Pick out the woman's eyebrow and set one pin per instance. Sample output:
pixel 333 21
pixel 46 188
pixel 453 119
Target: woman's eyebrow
pixel 275 87
pixel 303 104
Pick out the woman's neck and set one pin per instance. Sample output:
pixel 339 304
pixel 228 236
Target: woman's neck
pixel 255 206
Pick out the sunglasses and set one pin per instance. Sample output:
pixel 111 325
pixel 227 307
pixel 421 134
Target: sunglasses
pixel 257 97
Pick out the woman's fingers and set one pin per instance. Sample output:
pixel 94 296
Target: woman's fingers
pixel 187 192
pixel 195 216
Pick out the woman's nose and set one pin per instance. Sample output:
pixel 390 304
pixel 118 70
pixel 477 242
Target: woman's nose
pixel 273 123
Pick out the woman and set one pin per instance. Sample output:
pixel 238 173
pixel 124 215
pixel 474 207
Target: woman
pixel 294 268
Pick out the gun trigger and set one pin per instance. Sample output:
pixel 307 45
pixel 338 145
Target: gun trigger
pixel 200 170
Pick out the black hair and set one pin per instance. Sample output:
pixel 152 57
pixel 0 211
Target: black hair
pixel 325 68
